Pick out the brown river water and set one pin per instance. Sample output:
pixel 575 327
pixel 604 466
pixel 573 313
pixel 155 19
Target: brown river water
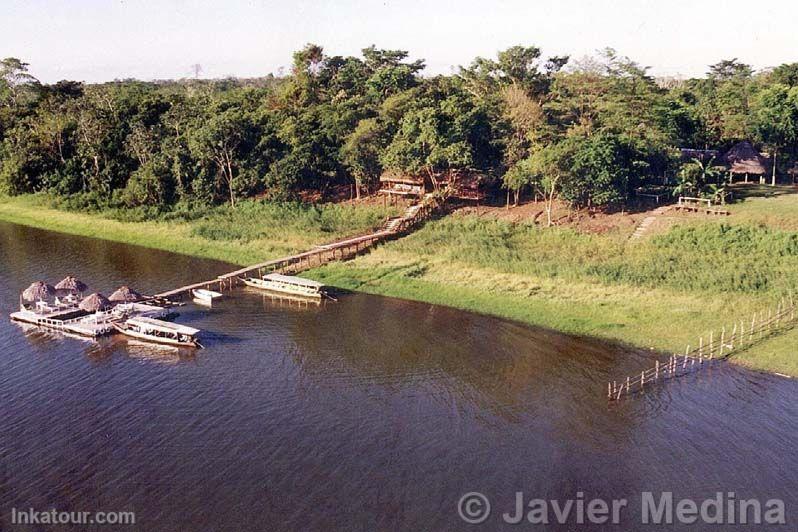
pixel 362 415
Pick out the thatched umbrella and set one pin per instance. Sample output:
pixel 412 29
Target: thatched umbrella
pixel 38 291
pixel 125 295
pixel 71 285
pixel 95 302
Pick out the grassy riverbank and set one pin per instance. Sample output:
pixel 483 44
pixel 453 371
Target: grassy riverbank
pixel 661 293
pixel 253 232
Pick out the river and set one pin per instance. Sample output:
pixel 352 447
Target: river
pixel 366 414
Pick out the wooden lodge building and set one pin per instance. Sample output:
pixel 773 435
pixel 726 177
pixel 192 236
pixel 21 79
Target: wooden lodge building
pixel 396 184
pixel 465 186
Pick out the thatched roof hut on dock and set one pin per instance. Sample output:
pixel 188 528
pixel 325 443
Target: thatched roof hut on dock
pixel 95 303
pixel 71 285
pixel 125 295
pixel 39 291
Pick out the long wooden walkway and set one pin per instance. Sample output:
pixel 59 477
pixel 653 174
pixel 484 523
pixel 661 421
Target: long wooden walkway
pixel 323 253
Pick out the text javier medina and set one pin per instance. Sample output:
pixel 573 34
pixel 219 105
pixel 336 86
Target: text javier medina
pixel 656 508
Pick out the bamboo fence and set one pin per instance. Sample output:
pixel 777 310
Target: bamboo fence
pixel 718 346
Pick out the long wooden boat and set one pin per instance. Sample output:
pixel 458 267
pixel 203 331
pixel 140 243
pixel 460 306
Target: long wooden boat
pixel 287 284
pixel 158 331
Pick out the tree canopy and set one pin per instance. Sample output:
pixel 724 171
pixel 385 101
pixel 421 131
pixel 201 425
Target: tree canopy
pixel 587 130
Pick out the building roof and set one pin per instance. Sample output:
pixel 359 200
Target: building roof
pixel 94 302
pixel 743 158
pixel 164 326
pixel 125 295
pixel 38 290
pixel 688 154
pixel 72 284
pixel 394 176
pixel 290 279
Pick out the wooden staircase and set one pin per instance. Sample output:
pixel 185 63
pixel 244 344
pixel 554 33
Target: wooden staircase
pixel 393 223
pixel 642 229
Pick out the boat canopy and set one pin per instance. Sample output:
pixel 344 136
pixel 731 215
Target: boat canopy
pixel 163 326
pixel 296 281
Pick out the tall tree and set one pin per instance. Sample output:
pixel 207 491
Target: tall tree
pixel 775 118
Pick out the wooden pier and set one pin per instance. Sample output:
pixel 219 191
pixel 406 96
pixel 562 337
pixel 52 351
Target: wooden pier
pixel 93 325
pixel 321 254
pixel 718 347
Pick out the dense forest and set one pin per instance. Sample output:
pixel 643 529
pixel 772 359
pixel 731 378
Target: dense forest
pixel 588 131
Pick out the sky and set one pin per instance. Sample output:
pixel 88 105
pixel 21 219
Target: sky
pixel 94 40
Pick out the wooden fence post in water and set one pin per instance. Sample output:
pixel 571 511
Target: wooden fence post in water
pixel 656 370
pixel 742 332
pixel 642 379
pixel 628 384
pixel 711 334
pixel 722 340
pixel 609 390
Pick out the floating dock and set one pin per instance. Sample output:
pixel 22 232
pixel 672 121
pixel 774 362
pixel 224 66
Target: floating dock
pixel 92 325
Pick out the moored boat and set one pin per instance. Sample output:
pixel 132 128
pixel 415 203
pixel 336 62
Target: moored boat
pixel 288 284
pixel 162 332
pixel 202 295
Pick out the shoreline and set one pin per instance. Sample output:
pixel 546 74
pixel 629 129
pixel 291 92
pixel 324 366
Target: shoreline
pixel 633 316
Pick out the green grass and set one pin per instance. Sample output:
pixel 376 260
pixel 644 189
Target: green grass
pixel 775 207
pixel 778 354
pixel 252 232
pixel 663 293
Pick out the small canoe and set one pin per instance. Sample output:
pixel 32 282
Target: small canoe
pixel 205 296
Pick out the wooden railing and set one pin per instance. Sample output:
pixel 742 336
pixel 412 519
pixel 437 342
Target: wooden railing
pixel 323 253
pixel 718 347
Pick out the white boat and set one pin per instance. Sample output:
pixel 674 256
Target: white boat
pixel 205 296
pixel 162 332
pixel 287 284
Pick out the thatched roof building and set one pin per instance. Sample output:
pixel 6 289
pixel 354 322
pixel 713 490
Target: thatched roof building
pixel 38 291
pixel 95 302
pixel 125 295
pixel 72 285
pixel 743 158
